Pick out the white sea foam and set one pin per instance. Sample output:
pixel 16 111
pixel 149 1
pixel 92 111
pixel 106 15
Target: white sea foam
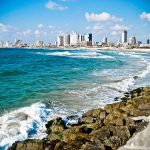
pixel 86 54
pixel 66 53
pixel 130 54
pixel 123 85
pixel 27 122
pixel 146 70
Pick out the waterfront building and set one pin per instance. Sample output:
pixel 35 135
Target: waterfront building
pixel 60 40
pixel 124 36
pixel 1 44
pixel 74 39
pixel 104 40
pixel 67 40
pixel 39 43
pixel 87 40
pixel 132 41
pixel 18 43
pixel 148 41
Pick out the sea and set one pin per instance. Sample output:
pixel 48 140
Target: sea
pixel 37 85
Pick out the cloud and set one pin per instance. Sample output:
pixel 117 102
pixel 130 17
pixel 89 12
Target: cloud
pixel 26 32
pixel 145 16
pixel 51 27
pixel 118 27
pixel 4 28
pixel 40 25
pixel 98 27
pixel 104 16
pixel 54 6
pixel 39 33
pixel 114 33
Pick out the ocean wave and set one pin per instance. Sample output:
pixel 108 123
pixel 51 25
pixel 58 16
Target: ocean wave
pixel 27 122
pixel 111 74
pixel 130 54
pixel 124 85
pixel 66 53
pixel 145 71
pixel 86 54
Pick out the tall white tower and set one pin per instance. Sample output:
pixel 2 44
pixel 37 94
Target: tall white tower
pixel 74 39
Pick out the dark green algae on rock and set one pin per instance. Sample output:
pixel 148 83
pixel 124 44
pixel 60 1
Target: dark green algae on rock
pixel 97 129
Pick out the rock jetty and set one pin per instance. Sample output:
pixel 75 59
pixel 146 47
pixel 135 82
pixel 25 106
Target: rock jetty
pixel 97 129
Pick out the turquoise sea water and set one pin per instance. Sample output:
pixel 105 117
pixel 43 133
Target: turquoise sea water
pixel 37 85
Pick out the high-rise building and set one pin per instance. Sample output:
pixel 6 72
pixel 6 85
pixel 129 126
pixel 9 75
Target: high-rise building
pixel 133 40
pixel 66 40
pixel 104 40
pixel 88 39
pixel 60 40
pixel 148 41
pixel 124 37
pixel 74 39
pixel 1 43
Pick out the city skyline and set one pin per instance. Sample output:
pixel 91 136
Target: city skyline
pixel 44 20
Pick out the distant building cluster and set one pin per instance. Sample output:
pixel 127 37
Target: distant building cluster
pixel 78 40
pixel 74 39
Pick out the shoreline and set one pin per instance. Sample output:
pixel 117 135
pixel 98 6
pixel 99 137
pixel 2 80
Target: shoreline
pixel 110 127
pixel 146 50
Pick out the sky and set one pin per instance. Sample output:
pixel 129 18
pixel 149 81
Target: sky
pixel 31 20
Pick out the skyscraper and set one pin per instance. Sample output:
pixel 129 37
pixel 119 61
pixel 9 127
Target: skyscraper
pixel 74 39
pixel 67 40
pixel 88 39
pixel 104 40
pixel 133 41
pixel 124 37
pixel 60 40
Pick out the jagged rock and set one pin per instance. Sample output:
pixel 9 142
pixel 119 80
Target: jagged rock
pixel 88 120
pixel 28 145
pixel 92 146
pixel 115 106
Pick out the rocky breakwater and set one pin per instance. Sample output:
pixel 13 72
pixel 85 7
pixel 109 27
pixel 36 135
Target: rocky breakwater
pixel 98 129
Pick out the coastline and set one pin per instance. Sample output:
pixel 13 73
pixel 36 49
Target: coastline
pixel 146 50
pixel 107 128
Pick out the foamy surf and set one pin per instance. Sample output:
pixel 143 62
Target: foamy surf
pixel 72 54
pixel 27 122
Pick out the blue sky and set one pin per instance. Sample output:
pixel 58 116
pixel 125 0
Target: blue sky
pixel 30 20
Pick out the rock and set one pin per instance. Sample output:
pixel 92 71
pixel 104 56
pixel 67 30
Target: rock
pixel 54 125
pixel 74 134
pixel 115 106
pixel 115 118
pixel 93 113
pixel 28 145
pixel 144 107
pixel 136 93
pixel 88 120
pixel 92 146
